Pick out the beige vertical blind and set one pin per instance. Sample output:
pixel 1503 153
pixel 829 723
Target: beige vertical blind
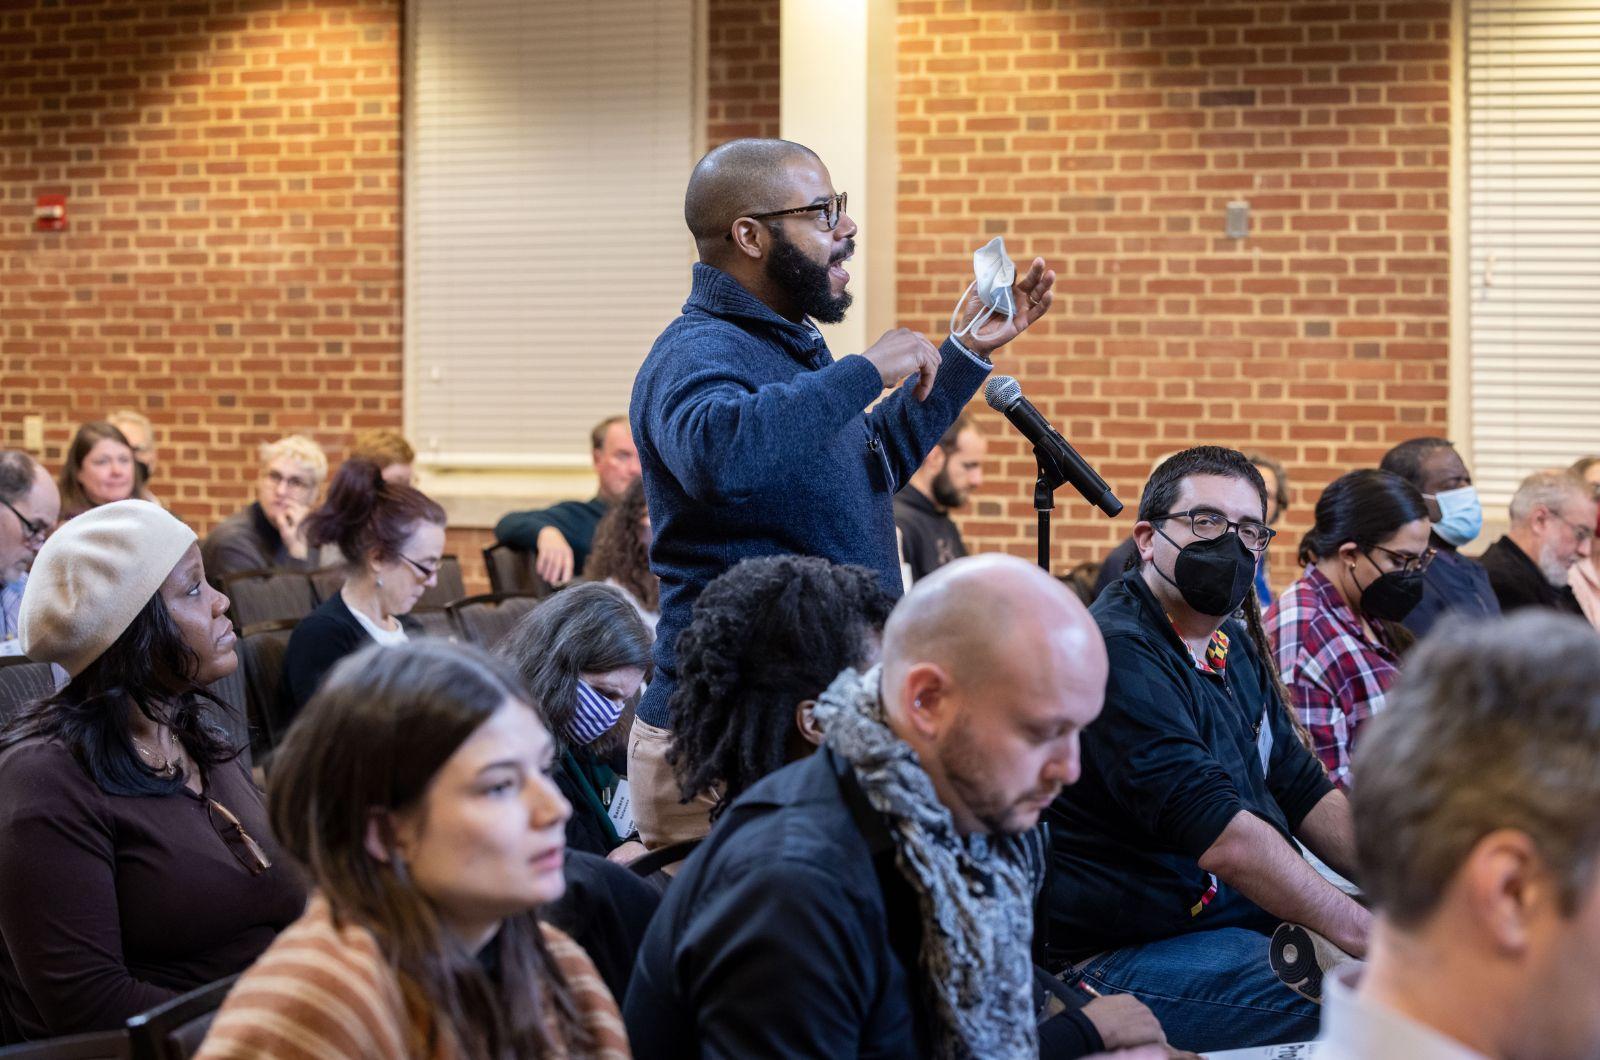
pixel 548 145
pixel 1533 102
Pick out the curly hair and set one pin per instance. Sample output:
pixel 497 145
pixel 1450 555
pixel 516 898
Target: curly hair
pixel 767 635
pixel 618 553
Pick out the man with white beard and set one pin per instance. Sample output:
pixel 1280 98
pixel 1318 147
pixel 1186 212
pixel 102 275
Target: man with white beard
pixel 1553 515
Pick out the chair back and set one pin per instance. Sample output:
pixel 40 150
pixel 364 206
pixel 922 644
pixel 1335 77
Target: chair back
pixel 268 596
pixel 485 619
pixel 261 649
pixel 435 622
pixel 21 682
pixel 325 581
pixel 234 692
pixel 174 1030
pixel 450 587
pixel 98 1045
pixel 511 571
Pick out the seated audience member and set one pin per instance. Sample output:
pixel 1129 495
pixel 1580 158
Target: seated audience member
pixel 33 503
pixel 928 536
pixel 1553 517
pixel 1585 573
pixel 271 532
pixel 135 859
pixel 1474 808
pixel 141 435
pixel 1174 856
pixel 1126 555
pixel 621 554
pixel 767 638
pixel 392 541
pixel 413 794
pixel 560 536
pixel 876 898
pixel 584 656
pixel 99 469
pixel 1336 632
pixel 390 451
pixel 1452 583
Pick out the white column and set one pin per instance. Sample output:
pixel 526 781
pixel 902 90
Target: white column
pixel 836 96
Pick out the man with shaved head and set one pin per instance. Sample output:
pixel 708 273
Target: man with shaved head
pixel 876 898
pixel 753 439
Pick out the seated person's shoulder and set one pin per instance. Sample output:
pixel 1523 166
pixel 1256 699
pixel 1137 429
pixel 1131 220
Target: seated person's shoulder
pixel 41 768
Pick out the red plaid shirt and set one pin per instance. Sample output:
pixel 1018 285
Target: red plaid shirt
pixel 1337 677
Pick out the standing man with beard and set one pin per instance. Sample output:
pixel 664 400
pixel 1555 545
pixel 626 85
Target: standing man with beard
pixel 928 536
pixel 753 440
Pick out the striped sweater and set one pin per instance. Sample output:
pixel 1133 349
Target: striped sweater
pixel 322 992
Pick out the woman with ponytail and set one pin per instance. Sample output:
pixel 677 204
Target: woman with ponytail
pixel 392 540
pixel 1336 633
pixel 415 795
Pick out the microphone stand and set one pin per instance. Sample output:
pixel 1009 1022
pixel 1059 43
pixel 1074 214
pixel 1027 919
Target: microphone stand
pixel 1044 500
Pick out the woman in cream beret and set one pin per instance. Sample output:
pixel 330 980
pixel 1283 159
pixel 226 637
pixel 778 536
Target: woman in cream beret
pixel 135 860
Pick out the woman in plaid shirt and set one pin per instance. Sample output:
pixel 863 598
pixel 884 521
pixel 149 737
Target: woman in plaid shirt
pixel 1336 631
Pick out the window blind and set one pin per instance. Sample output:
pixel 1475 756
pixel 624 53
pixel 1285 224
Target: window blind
pixel 1533 103
pixel 547 149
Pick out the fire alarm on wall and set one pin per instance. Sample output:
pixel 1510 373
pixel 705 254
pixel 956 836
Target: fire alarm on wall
pixel 50 215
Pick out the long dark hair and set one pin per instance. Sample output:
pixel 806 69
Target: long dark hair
pixel 589 628
pixel 765 635
pixel 619 554
pixel 148 667
pixel 373 737
pixel 364 515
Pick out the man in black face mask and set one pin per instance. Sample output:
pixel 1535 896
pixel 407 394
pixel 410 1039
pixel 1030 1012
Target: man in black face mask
pixel 1174 856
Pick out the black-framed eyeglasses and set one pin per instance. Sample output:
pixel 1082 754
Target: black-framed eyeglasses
pixel 245 850
pixel 832 209
pixel 1208 525
pixel 33 529
pixel 1407 561
pixel 422 569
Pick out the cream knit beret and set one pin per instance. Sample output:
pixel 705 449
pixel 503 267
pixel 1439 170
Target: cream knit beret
pixel 93 576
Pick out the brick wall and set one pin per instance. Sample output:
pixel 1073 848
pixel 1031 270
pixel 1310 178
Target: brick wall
pixel 1108 136
pixel 741 69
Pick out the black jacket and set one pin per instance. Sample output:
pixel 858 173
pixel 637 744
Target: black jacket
pixel 587 782
pixel 606 909
pixel 1518 582
pixel 321 639
pixel 928 536
pixel 577 521
pixel 791 932
pixel 1173 757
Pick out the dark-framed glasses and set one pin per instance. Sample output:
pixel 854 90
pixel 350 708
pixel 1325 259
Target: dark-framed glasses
pixel 1408 562
pixel 33 530
pixel 829 211
pixel 421 568
pixel 1208 525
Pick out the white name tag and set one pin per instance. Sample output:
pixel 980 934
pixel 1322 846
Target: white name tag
pixel 11 647
pixel 621 810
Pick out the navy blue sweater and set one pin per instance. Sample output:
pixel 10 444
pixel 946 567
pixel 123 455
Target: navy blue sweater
pixel 754 441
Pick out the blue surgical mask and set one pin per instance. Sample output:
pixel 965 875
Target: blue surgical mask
pixel 994 274
pixel 1460 515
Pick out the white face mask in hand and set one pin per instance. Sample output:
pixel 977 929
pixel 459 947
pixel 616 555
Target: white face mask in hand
pixel 995 274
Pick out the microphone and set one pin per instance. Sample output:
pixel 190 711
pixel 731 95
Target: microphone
pixel 1004 395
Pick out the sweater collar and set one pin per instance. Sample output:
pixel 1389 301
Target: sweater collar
pixel 715 292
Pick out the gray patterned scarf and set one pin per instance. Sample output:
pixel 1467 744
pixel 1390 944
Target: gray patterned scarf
pixel 976 892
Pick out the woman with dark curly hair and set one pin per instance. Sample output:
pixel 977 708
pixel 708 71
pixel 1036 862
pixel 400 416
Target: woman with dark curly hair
pixel 621 554
pixel 767 638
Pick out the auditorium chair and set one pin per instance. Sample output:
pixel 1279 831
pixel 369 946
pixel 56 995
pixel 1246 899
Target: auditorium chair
pixel 325 581
pixel 98 1045
pixel 450 587
pixel 261 648
pixel 435 622
pixel 511 570
pixel 484 619
pixel 268 596
pixel 174 1030
pixel 234 693
pixel 21 682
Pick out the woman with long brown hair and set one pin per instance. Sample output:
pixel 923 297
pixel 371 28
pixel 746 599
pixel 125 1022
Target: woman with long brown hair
pixel 414 792
pixel 621 554
pixel 99 469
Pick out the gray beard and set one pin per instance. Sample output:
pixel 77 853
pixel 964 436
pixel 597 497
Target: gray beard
pixel 1551 568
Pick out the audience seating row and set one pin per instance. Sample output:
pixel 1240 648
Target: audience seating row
pixel 266 595
pixel 170 1031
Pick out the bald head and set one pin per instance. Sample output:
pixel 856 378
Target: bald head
pixel 991 669
pixel 738 178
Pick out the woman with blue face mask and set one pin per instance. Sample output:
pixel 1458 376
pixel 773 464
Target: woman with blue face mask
pixel 584 655
pixel 1336 631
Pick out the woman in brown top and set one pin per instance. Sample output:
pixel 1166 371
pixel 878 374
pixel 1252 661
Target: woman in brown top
pixel 415 789
pixel 135 863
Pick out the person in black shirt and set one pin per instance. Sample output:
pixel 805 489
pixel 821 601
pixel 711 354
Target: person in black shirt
pixel 1553 516
pixel 928 536
pixel 1173 859
pixel 799 927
